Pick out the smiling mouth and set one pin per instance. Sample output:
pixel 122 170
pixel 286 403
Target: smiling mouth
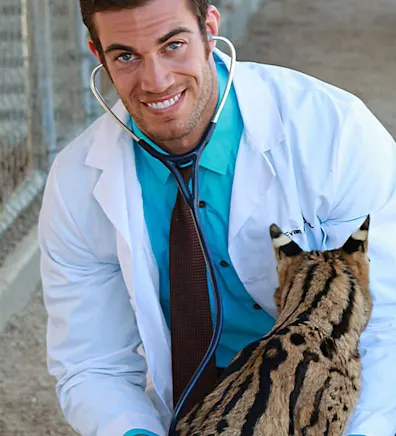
pixel 165 104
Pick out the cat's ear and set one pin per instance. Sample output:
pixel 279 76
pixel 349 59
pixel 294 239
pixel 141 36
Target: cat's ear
pixel 282 244
pixel 358 241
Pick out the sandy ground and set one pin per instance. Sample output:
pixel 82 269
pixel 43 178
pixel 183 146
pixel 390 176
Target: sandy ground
pixel 348 43
pixel 28 404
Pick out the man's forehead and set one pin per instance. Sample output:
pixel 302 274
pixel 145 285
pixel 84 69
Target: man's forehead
pixel 160 40
pixel 143 22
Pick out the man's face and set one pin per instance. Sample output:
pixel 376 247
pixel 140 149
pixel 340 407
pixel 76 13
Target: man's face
pixel 161 67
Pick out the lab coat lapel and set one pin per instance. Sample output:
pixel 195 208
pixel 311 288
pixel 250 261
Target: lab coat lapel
pixel 106 154
pixel 119 194
pixel 263 129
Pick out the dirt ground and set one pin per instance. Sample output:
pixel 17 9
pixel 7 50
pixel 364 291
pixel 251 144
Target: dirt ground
pixel 348 43
pixel 28 404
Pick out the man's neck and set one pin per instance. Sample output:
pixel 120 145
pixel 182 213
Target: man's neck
pixel 190 141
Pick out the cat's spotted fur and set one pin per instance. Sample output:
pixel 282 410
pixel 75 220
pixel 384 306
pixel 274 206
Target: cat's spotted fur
pixel 303 378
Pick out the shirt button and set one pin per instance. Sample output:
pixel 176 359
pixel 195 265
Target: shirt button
pixel 224 264
pixel 202 204
pixel 256 306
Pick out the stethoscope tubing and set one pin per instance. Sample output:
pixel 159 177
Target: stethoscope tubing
pixel 173 162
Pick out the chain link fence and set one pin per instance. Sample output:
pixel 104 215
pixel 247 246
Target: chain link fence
pixel 45 101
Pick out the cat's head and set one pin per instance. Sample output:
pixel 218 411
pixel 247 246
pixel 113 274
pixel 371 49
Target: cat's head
pixel 299 268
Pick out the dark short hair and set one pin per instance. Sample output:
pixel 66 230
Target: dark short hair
pixel 90 7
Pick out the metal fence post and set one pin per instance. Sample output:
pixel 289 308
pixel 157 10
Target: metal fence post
pixel 39 81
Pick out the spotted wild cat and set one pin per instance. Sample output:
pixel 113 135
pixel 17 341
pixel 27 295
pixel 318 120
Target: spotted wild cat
pixel 303 378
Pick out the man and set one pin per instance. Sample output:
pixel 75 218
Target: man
pixel 288 149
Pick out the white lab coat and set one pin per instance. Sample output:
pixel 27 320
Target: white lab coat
pixel 312 159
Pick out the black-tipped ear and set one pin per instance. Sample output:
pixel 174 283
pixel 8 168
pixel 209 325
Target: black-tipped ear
pixel 283 244
pixel 358 241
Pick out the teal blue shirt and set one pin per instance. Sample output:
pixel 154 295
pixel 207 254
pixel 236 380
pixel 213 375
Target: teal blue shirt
pixel 140 431
pixel 243 322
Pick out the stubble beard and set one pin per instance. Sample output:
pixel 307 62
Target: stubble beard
pixel 184 128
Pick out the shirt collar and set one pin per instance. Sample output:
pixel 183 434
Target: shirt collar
pixel 216 154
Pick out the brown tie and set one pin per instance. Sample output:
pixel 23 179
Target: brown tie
pixel 191 321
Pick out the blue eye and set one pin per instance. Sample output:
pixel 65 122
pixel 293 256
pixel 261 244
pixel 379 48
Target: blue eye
pixel 174 45
pixel 126 57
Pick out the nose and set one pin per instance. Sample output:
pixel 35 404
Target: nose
pixel 156 76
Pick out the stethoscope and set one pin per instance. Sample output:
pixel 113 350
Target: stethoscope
pixel 173 162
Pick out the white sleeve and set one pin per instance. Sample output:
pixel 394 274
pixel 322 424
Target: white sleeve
pixel 92 336
pixel 365 183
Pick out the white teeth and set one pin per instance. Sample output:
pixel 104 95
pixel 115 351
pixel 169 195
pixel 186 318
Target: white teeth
pixel 165 104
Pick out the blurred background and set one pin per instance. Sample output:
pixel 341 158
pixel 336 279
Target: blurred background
pixel 45 101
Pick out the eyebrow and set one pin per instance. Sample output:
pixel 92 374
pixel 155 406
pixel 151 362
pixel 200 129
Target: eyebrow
pixel 161 40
